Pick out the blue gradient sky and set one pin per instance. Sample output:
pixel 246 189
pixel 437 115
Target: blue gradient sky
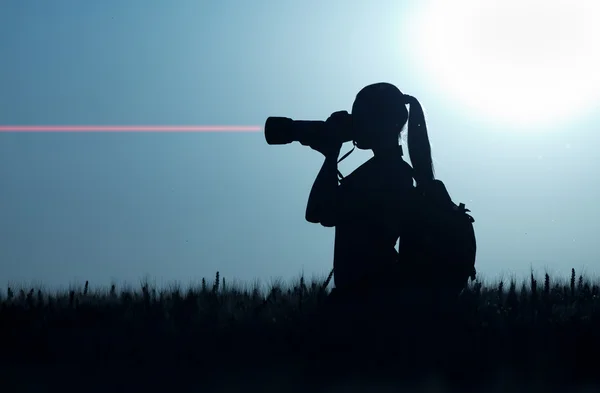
pixel 122 207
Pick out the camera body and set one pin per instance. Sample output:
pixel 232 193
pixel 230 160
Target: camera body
pixel 283 130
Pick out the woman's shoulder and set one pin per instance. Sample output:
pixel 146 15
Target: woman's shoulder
pixel 375 172
pixel 361 172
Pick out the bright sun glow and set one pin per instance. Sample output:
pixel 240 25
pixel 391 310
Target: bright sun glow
pixel 525 62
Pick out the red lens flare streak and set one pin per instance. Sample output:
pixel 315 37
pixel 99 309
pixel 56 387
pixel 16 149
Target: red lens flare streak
pixel 138 128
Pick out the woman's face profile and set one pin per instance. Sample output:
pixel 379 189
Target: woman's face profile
pixel 374 125
pixel 361 125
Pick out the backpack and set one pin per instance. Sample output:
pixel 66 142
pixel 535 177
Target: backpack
pixel 440 246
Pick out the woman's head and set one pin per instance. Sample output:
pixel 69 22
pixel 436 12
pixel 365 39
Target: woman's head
pixel 379 115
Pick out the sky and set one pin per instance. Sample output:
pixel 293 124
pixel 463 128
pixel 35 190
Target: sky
pixel 176 207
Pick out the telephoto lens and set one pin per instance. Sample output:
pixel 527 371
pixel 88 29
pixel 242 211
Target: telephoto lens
pixel 279 130
pixel 283 130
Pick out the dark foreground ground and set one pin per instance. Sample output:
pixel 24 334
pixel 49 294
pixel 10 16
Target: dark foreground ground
pixel 535 336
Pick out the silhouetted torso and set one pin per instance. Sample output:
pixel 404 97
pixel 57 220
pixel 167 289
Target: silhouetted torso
pixel 372 212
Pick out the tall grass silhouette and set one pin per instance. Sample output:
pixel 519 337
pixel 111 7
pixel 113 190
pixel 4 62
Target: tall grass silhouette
pixel 546 330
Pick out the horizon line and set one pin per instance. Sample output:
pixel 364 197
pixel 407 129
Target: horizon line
pixel 130 128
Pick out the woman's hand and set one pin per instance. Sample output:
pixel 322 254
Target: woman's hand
pixel 330 144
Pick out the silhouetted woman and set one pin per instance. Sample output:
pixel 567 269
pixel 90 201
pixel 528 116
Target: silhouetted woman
pixel 371 208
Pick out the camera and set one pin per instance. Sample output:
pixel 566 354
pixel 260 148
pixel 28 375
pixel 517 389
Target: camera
pixel 283 130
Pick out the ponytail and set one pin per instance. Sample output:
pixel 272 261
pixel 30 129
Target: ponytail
pixel 419 148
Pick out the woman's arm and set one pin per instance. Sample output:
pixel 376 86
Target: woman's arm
pixel 322 201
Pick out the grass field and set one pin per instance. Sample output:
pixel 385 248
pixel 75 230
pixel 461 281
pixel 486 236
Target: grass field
pixel 542 334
